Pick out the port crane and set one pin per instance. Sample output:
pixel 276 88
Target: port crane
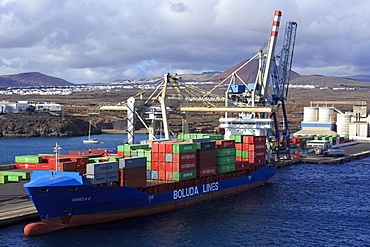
pixel 251 99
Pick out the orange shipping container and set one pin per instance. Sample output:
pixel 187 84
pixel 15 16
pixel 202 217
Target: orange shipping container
pixel 222 144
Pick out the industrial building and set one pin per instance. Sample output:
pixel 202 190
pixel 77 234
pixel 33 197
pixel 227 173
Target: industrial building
pixel 321 119
pixel 22 106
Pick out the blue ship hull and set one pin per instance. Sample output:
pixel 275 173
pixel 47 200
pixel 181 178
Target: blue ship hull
pixel 67 199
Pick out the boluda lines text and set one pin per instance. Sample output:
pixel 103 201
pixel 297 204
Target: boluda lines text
pixel 194 190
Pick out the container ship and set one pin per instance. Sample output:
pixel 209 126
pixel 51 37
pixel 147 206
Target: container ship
pixel 102 185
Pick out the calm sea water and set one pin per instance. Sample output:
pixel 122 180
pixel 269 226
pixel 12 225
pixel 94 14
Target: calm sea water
pixel 302 205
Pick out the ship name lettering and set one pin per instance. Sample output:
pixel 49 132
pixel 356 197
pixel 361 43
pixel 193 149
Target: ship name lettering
pixel 186 192
pixel 81 199
pixel 210 187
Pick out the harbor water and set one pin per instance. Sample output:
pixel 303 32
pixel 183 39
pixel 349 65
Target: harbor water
pixel 302 205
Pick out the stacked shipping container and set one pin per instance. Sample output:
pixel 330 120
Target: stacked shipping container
pixel 163 160
pixel 250 150
pixel 173 161
pixel 225 156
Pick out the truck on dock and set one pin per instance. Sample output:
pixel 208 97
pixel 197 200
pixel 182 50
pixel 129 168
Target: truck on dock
pixel 334 152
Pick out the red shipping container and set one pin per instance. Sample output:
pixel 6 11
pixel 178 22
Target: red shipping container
pixel 242 159
pixel 169 166
pixel 132 173
pixel 155 147
pixel 168 148
pixel 79 153
pixel 184 166
pixel 223 144
pixel 206 163
pixel 242 146
pixel 162 147
pixel 296 140
pixel 179 157
pixel 159 157
pixel 257 161
pixel 80 161
pixel 242 165
pixel 161 166
pixel 162 175
pixel 32 166
pixel 168 175
pixel 45 166
pixel 207 171
pixel 256 154
pixel 133 183
pixel 98 151
pixel 81 170
pixel 254 139
pixel 68 166
pixel 52 162
pixel 203 155
pixel 257 147
pixel 155 165
pixel 120 154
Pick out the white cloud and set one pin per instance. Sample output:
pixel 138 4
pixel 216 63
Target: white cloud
pixel 94 41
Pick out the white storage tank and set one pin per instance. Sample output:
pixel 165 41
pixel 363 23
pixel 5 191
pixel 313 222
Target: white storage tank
pixel 326 115
pixel 310 114
pixel 343 121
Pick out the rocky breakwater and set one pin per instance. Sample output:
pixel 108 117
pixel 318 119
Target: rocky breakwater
pixel 44 125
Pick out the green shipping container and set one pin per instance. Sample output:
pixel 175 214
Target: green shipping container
pixel 225 152
pixel 14 178
pixel 204 146
pixel 245 154
pixel 114 158
pixel 184 148
pixel 226 160
pixel 25 175
pixel 238 153
pixel 149 166
pixel 184 175
pixel 213 137
pixel 95 160
pixel 3 179
pixel 226 168
pixel 237 138
pixel 130 147
pixel 28 159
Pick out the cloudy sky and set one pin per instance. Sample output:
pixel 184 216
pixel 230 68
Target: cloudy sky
pixel 103 40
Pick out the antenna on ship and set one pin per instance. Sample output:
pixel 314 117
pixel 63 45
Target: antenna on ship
pixel 56 151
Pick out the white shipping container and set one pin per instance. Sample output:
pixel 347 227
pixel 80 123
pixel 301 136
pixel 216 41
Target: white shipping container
pixel 154 174
pixel 103 167
pixel 112 177
pixel 97 178
pixel 168 157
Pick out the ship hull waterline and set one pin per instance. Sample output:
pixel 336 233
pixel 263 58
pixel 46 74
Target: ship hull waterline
pixel 73 213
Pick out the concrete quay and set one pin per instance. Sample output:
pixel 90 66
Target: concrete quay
pixel 15 205
pixel 353 152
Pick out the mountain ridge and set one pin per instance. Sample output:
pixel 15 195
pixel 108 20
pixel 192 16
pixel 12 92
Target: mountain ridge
pixel 245 73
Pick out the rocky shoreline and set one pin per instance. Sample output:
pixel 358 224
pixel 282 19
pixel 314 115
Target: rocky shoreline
pixel 45 125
